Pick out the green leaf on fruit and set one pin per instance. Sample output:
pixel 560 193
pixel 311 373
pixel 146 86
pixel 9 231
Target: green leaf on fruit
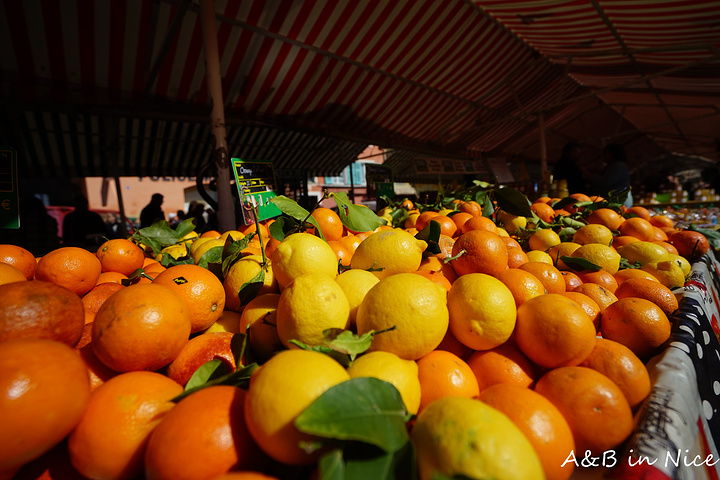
pixel 232 251
pixel 359 461
pixel 356 218
pixel 249 290
pixel 292 209
pixel 213 255
pixel 347 342
pixel 284 226
pixel 209 371
pixel 580 264
pixel 625 263
pixel 363 409
pixel 713 236
pixel 331 465
pixel 513 202
pixel 239 378
pixel 431 235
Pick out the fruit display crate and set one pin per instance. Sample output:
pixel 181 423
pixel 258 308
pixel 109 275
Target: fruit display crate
pixel 678 422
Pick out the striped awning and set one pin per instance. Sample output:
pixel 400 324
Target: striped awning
pixel 118 87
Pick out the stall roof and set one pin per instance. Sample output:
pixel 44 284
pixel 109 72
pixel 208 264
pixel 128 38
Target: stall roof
pixel 118 87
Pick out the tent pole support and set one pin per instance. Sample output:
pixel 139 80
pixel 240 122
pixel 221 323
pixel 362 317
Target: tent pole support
pixel 225 213
pixel 543 146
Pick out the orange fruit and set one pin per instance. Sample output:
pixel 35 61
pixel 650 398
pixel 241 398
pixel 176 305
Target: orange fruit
pixel 110 440
pixel 637 323
pixel 572 281
pixel 201 290
pixel 595 408
pixel 203 436
pixel 10 274
pixel 451 344
pixel 622 240
pixel 98 372
pixel 661 221
pixel 541 422
pixel 639 228
pixel 659 235
pixel 436 277
pixel 141 327
pixel 330 223
pixel 516 257
pixel 601 277
pixel 628 273
pixel 587 304
pixel 667 246
pixel 606 216
pixel 689 244
pixel 639 211
pixel 502 364
pixel 260 317
pixel 523 285
pixel 511 242
pixel 564 249
pixel 554 331
pixel 44 390
pixel 198 351
pixel 436 263
pixel 484 252
pixel 253 228
pixel 71 267
pixel 623 367
pixel 120 255
pixel 444 374
pixel 549 276
pixel 460 218
pixel 543 211
pixel 93 300
pixel 341 252
pixel 424 218
pixel 600 295
pixel 211 234
pixel 447 225
pixel 471 207
pixel 40 310
pixel 480 223
pixel 651 290
pixel 111 277
pixel 20 258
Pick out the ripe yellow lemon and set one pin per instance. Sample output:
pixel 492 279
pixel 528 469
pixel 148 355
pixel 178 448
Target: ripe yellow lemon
pixel 564 249
pixel 279 391
pixel 174 251
pixel 512 223
pixel 539 256
pixel 302 253
pixel 593 233
pixel 542 239
pixel 414 305
pixel 464 436
pixel 403 374
pixel 311 304
pixel 643 252
pixel 603 256
pixel 228 321
pixel 242 272
pixel 356 284
pixel 198 252
pixel 667 272
pixel 387 252
pixel 683 262
pixel 482 311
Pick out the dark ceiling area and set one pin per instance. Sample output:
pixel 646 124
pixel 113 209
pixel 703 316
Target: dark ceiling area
pixel 119 87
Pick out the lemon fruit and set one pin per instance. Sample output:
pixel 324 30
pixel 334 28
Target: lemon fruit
pixel 643 252
pixel 279 391
pixel 356 284
pixel 542 239
pixel 203 247
pixel 414 305
pixel 464 436
pixel 593 233
pixel 667 272
pixel 565 249
pixel 234 234
pixel 682 261
pixel 302 253
pixel 175 251
pixel 228 321
pixel 511 223
pixel 242 272
pixel 311 304
pixel 387 252
pixel 539 256
pixel 403 374
pixel 260 315
pixel 482 311
pixel 603 256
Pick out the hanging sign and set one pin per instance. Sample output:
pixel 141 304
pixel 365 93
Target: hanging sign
pixel 379 180
pixel 255 180
pixel 9 210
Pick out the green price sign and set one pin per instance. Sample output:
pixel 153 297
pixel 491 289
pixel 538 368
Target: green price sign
pixel 255 180
pixel 9 199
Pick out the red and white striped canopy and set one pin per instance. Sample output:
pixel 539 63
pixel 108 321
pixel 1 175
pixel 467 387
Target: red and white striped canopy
pixel 118 87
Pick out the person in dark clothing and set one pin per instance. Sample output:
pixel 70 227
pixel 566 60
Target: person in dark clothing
pixel 616 174
pixel 83 228
pixel 152 211
pixel 567 168
pixel 38 230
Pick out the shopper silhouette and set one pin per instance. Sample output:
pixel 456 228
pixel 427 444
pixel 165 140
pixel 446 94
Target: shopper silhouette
pixel 83 228
pixel 152 212
pixel 568 168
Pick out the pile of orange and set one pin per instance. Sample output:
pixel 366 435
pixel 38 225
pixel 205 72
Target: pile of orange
pixel 489 311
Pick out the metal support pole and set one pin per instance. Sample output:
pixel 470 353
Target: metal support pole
pixel 225 213
pixel 543 146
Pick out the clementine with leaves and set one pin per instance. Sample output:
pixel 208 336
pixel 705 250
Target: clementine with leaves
pixel 330 223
